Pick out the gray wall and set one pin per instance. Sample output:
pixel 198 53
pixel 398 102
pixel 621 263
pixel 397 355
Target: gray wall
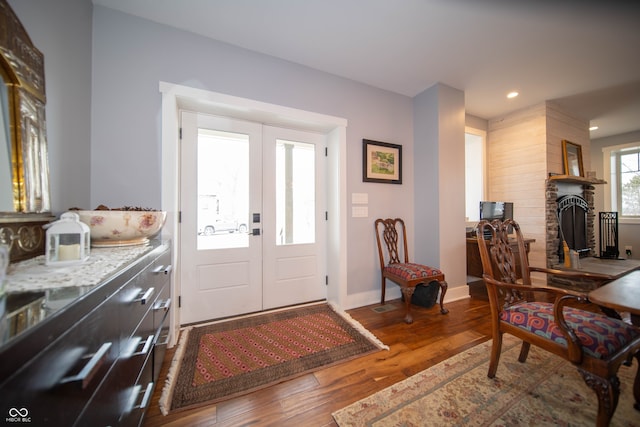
pixel 130 57
pixel 629 234
pixel 439 122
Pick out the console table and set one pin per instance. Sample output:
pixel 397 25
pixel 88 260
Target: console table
pixel 83 344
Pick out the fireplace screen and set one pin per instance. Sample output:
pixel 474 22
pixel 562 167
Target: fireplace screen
pixel 572 219
pixel 609 235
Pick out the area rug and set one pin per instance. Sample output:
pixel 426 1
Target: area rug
pixel 222 360
pixel 544 391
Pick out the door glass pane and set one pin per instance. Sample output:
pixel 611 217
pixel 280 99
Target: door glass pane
pixel 295 192
pixel 223 190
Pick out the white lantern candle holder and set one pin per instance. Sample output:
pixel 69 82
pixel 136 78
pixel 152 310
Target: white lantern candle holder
pixel 68 241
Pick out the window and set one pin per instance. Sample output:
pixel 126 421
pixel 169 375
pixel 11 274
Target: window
pixel 474 160
pixel 623 164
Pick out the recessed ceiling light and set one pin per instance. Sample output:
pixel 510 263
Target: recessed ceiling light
pixel 593 128
pixel 512 94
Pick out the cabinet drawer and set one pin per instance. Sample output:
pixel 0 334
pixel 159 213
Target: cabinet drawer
pixel 138 348
pixel 159 351
pixel 122 394
pixel 119 394
pixel 140 294
pixel 56 385
pixel 159 272
pixel 138 397
pixel 135 300
pixel 162 306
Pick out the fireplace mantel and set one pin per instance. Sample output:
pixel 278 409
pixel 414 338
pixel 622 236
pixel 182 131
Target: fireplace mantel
pixel 570 179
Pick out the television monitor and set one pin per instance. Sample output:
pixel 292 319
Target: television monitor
pixel 496 210
pixel 491 210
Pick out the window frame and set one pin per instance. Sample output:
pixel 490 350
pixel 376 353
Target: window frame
pixel 613 190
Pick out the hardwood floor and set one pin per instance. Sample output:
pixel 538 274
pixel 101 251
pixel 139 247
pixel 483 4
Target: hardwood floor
pixel 309 400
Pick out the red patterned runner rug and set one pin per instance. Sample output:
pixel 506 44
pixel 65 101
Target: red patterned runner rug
pixel 222 360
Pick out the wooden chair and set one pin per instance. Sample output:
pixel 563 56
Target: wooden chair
pixel 407 275
pixel 595 343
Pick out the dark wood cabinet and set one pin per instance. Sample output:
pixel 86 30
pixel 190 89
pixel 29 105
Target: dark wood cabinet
pixel 94 362
pixel 477 288
pixel 474 263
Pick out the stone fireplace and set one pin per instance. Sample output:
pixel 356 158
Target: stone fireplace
pixel 570 208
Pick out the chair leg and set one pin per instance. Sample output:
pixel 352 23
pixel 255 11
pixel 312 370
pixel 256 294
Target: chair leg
pixel 607 391
pixel 443 291
pixel 407 292
pixel 496 348
pixel 384 288
pixel 524 351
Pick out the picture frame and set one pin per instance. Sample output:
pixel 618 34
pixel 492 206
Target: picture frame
pixel 572 157
pixel 381 162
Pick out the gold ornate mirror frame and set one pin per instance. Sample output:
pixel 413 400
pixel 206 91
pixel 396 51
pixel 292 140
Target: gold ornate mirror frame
pixel 25 203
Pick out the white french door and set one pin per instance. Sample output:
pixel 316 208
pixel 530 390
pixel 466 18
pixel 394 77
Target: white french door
pixel 252 217
pixel 294 257
pixel 221 267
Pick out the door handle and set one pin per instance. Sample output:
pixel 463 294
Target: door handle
pixel 255 232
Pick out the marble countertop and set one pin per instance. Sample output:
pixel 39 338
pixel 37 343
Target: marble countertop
pixel 34 275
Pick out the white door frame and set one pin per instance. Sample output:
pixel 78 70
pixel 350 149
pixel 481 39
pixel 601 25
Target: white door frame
pixel 176 97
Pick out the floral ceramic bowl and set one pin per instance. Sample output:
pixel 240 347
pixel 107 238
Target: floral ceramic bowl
pixel 122 227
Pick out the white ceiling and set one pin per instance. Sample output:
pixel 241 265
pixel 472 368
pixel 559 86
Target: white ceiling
pixel 584 54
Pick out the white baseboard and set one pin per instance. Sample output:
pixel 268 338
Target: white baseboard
pixel 373 297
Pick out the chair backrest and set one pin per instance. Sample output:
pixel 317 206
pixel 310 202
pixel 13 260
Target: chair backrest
pixel 391 236
pixel 498 259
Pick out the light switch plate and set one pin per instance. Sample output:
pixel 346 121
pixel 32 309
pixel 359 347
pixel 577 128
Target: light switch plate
pixel 359 211
pixel 359 198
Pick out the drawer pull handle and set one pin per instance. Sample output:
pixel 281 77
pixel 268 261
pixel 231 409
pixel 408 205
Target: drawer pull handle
pixel 168 269
pixel 147 396
pixel 158 269
pixel 142 299
pixel 147 347
pixel 89 370
pixel 135 393
pixel 163 305
pixel 163 340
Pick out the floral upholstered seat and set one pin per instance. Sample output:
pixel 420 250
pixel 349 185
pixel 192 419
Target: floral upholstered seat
pixel 410 271
pixel 599 336
pixel 391 237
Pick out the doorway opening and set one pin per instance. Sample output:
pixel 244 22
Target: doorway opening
pixel 178 97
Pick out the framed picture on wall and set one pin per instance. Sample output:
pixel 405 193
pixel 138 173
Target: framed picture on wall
pixel 381 162
pixel 572 156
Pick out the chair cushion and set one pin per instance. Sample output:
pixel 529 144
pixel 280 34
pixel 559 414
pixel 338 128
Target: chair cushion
pixel 600 336
pixel 411 271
